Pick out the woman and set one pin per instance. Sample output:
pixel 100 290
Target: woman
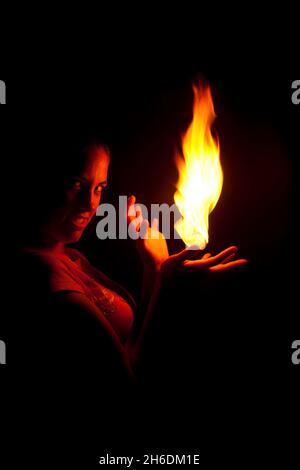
pixel 91 318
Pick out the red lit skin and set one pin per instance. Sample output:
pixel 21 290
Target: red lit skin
pixel 154 252
pixel 82 197
pixel 159 265
pixel 66 225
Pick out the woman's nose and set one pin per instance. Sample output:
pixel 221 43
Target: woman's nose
pixel 88 201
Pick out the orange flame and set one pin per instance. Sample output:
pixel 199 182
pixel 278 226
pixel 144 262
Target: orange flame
pixel 200 173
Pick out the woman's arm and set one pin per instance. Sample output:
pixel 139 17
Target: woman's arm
pixel 160 266
pixel 139 341
pixel 184 261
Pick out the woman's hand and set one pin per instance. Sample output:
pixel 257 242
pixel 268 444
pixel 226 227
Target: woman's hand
pixel 190 260
pixel 151 245
pixel 154 253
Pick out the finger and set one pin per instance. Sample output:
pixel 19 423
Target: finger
pixel 196 254
pixel 144 229
pixel 154 232
pixel 131 200
pixel 138 217
pixel 131 212
pixel 154 224
pixel 138 211
pixel 135 213
pixel 229 258
pixel 227 266
pixel 212 260
pixel 130 216
pixel 220 257
pixel 134 228
pixel 186 254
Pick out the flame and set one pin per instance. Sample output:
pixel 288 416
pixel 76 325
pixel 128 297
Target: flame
pixel 200 173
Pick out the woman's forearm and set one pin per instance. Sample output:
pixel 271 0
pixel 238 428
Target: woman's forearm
pixel 139 338
pixel 149 283
pixel 149 278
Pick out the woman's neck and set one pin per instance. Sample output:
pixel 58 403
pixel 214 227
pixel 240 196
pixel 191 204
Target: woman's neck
pixel 56 248
pixel 48 244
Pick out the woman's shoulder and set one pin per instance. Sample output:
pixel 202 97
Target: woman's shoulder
pixel 36 257
pixel 76 255
pixel 47 269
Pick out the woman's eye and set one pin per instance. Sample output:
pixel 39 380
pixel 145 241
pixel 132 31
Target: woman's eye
pixel 76 185
pixel 73 185
pixel 99 189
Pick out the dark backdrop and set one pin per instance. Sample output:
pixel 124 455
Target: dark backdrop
pixel 222 351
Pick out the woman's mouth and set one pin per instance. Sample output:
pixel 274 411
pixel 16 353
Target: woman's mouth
pixel 79 222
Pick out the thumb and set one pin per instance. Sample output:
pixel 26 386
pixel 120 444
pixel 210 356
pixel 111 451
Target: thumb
pixel 190 252
pixel 144 229
pixel 131 212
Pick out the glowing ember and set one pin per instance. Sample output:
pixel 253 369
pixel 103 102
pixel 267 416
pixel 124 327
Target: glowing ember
pixel 200 173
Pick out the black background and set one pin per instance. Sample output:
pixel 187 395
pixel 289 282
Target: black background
pixel 220 379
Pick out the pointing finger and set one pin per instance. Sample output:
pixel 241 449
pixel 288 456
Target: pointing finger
pixel 227 266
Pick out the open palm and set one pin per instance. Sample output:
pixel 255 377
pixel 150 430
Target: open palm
pixel 153 249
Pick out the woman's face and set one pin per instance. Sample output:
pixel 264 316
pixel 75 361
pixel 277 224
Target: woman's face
pixel 82 196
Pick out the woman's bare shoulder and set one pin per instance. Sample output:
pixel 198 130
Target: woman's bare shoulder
pixel 40 269
pixel 38 258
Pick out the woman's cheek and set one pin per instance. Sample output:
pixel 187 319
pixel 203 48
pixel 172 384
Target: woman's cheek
pixel 97 202
pixel 71 198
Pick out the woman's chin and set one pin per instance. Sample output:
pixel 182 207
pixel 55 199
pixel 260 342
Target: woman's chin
pixel 73 237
